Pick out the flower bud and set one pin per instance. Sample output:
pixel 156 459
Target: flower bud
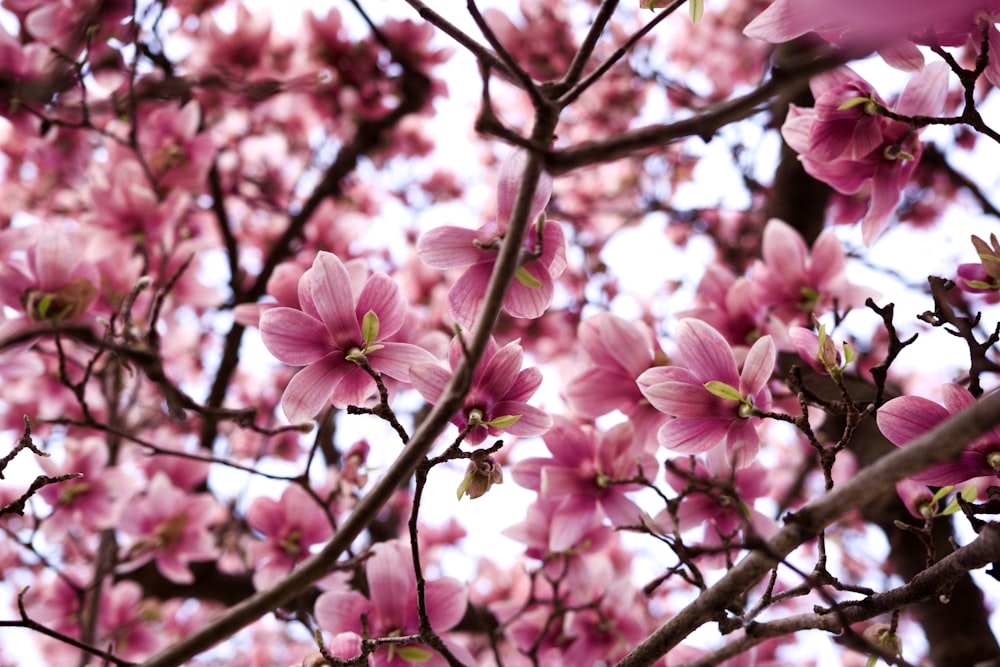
pixel 479 477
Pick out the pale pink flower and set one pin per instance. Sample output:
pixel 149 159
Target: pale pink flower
pixel 333 334
pixel 391 607
pixel 497 398
pixel 906 418
pixel 290 526
pixel 172 527
pixel 712 401
pixel 879 153
pixel 452 247
pixel 620 351
pixel 794 282
pixel 91 502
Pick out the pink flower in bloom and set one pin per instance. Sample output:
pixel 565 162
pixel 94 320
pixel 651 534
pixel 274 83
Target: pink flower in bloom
pixel 333 334
pixel 584 463
pixel 173 527
pixel 881 153
pixel 91 502
pixel 795 283
pixel 726 302
pixel 452 247
pixel 391 607
pixel 712 401
pixel 906 418
pixel 496 401
pixel 620 351
pixel 289 526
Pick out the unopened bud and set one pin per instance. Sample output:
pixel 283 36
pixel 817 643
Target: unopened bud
pixel 479 477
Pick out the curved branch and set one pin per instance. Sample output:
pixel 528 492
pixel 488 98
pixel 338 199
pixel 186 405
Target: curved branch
pixel 944 442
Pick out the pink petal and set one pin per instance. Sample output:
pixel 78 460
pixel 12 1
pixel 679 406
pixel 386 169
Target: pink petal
pixel 497 375
pixel 533 421
pixel 529 302
pixel 446 600
pixel 742 443
pixel 905 418
pixel 570 523
pixel 956 398
pixel 620 510
pixel 465 297
pixel 783 21
pixel 706 353
pixel 569 443
pixel 381 295
pixel 508 183
pixel 396 359
pixel 784 249
pixel 692 436
pixel 902 54
pixel 525 385
pixel 925 92
pixel 293 337
pixel 330 286
pixel 451 248
pixel 265 516
pixel 391 583
pixel 310 390
pixel 688 400
pixel 340 611
pixel 758 366
pixel 885 198
pixel 430 380
pixel 596 392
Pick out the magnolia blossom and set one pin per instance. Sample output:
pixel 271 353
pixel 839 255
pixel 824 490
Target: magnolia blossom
pixel 983 277
pixel 796 282
pixel 845 143
pixel 584 464
pixel 497 399
pixel 452 247
pixel 289 526
pixel 334 335
pixel 620 351
pixel 172 527
pixel 906 418
pixel 712 401
pixel 391 608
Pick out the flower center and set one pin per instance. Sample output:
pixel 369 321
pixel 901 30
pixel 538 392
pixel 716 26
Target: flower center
pixel 993 460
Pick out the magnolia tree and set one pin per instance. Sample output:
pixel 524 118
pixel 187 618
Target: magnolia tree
pixel 284 305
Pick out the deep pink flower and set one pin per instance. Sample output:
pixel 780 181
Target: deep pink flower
pixel 795 282
pixel 333 333
pixel 584 462
pixel 289 526
pixel 497 399
pixel 173 527
pixel 906 418
pixel 880 153
pixel 620 352
pixel 712 401
pixel 391 607
pixel 452 247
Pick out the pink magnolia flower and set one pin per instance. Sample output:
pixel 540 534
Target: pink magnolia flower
pixel 497 400
pixel 620 352
pixel 839 145
pixel 289 526
pixel 91 502
pixel 584 462
pixel 891 26
pixel 391 607
pixel 333 334
pixel 795 282
pixel 712 401
pixel 172 527
pixel 905 418
pixel 452 247
pixel 727 303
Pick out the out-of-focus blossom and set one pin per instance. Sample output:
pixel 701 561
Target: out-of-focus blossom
pixel 794 282
pixel 391 607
